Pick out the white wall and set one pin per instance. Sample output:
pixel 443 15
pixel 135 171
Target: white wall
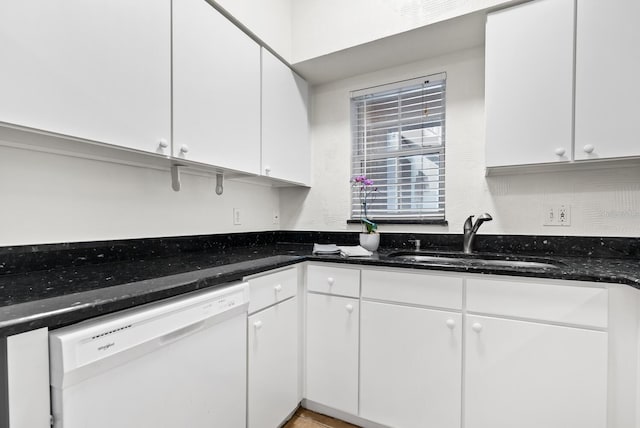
pixel 604 202
pixel 50 198
pixel 271 20
pixel 321 27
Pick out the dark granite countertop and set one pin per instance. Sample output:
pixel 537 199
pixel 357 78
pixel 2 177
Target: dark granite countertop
pixel 60 295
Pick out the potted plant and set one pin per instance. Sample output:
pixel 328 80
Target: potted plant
pixel 369 238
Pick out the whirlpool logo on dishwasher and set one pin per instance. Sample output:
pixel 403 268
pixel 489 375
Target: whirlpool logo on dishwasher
pixel 106 346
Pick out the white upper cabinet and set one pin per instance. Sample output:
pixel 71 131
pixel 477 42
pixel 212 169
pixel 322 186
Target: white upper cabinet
pixel 607 87
pixel 216 89
pixel 529 83
pixel 98 70
pixel 285 122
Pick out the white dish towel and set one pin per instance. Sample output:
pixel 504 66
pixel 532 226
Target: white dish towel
pixel 354 251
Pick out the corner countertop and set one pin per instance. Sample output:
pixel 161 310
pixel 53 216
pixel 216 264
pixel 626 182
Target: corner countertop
pixel 61 296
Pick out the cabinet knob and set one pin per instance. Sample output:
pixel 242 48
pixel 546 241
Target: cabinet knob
pixel 257 325
pixel 451 323
pixel 278 288
pixel 349 308
pixel 477 327
pixel 560 151
pixel 184 148
pixel 163 144
pixel 267 170
pixel 330 281
pixel 589 148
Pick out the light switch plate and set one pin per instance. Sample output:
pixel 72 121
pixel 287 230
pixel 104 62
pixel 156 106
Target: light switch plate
pixel 237 216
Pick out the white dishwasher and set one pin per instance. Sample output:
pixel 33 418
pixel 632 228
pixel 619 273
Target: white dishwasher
pixel 172 364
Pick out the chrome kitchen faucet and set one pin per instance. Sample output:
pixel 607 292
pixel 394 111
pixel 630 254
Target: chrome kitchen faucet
pixel 470 230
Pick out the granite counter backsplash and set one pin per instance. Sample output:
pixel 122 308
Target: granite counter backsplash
pixel 58 284
pixel 27 258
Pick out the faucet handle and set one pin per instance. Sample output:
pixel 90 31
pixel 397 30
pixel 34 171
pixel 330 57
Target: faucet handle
pixel 468 224
pixel 417 242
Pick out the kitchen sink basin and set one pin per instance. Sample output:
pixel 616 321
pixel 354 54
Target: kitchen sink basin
pixel 476 260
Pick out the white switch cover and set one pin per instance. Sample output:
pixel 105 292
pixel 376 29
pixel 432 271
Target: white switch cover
pixel 276 217
pixel 556 215
pixel 237 216
pixel 549 215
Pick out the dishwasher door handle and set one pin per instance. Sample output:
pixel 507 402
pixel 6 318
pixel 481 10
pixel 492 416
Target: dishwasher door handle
pixel 182 332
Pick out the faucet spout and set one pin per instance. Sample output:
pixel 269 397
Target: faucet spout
pixel 470 229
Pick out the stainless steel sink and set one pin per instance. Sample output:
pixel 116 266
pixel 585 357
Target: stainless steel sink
pixel 449 259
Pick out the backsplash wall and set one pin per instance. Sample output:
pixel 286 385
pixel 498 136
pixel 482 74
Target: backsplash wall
pixel 49 198
pixel 604 202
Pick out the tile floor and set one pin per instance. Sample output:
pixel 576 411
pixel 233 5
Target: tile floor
pixel 304 418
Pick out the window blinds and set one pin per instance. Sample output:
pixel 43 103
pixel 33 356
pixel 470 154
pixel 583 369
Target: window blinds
pixel 399 142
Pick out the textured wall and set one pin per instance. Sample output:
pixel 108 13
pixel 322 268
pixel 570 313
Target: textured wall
pixel 604 202
pixel 50 198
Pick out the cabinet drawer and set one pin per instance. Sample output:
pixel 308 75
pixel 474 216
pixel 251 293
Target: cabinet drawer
pixel 334 280
pixel 417 289
pixel 272 288
pixel 539 300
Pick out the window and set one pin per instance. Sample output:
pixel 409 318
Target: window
pixel 399 142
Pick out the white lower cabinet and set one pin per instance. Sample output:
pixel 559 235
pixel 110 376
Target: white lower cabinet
pixel 532 375
pixel 273 364
pixel 435 349
pixel 410 366
pixel 332 351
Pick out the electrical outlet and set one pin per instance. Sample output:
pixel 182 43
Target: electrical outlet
pixel 276 217
pixel 556 215
pixel 237 216
pixel 564 215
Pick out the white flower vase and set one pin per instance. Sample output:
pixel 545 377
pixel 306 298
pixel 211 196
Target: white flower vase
pixel 370 241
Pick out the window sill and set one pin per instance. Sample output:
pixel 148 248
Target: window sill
pixel 408 221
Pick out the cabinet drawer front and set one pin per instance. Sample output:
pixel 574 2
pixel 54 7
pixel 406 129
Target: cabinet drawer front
pixel 272 288
pixel 538 300
pixel 334 280
pixel 416 289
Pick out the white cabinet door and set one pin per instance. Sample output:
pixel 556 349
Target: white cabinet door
pixel 530 375
pixel 216 89
pixel 97 70
pixel 273 365
pixel 410 366
pixel 607 70
pixel 529 83
pixel 285 122
pixel 332 351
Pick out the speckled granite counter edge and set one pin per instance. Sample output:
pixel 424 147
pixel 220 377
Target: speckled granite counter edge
pixel 71 308
pixel 67 309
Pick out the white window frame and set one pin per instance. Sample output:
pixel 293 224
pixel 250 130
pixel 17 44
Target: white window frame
pixel 421 206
